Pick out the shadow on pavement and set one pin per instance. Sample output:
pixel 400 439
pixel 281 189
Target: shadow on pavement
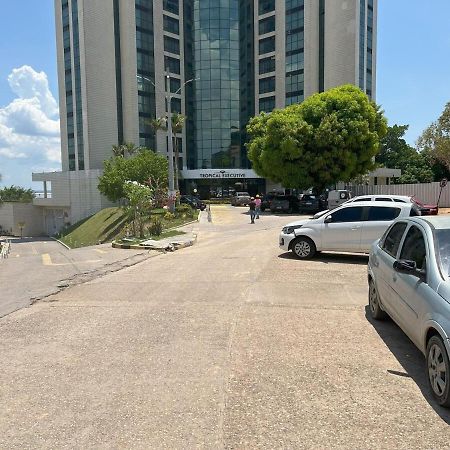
pixel 409 357
pixel 327 258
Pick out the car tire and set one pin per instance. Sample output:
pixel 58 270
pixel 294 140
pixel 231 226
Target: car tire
pixel 303 247
pixel 374 303
pixel 438 371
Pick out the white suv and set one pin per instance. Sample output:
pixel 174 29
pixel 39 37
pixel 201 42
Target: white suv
pixel 352 227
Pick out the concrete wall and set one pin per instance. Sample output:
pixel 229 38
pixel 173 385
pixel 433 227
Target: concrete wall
pixel 11 213
pixel 98 80
pixel 341 42
pixel 74 196
pixel 129 81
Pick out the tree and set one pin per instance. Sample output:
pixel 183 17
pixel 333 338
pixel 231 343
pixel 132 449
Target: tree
pixel 435 140
pixel 16 194
pixel 178 121
pixel 330 137
pixel 139 204
pixel 396 153
pixel 144 165
pixel 127 148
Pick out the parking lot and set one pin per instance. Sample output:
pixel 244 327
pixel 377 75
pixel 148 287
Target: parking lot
pixel 231 343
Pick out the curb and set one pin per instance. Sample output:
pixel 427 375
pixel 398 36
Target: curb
pixel 62 243
pixel 170 246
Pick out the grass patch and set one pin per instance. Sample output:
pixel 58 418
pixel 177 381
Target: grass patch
pixel 101 227
pixel 107 225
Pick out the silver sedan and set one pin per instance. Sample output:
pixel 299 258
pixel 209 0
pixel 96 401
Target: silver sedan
pixel 409 279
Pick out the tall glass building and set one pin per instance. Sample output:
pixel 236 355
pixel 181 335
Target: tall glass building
pixel 243 57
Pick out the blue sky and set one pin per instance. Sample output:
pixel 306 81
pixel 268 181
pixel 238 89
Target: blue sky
pixel 413 77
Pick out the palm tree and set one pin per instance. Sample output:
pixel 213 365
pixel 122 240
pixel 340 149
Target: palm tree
pixel 123 149
pixel 178 121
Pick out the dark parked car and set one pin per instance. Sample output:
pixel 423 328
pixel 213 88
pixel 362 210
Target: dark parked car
pixel 310 203
pixel 284 203
pixel 267 200
pixel 193 202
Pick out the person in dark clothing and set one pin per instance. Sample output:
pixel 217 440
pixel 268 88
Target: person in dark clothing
pixel 252 209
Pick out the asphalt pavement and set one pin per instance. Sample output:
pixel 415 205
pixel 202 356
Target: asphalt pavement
pixel 231 343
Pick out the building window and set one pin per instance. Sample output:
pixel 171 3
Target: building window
pixel 172 65
pixel 171 25
pixel 266 6
pixel 266 85
pixel 267 45
pixel 267 25
pixel 171 6
pixel 267 65
pixel 267 104
pixel 171 45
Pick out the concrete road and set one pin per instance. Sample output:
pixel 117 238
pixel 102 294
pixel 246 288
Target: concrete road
pixel 227 344
pixel 37 267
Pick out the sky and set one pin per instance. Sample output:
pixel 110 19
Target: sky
pixel 413 78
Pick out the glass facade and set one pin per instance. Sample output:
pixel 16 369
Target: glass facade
pixel 65 14
pixel 369 48
pixel 145 72
pixel 295 51
pixel 216 101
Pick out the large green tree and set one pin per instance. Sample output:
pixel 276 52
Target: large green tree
pixel 396 153
pixel 16 194
pixel 435 140
pixel 145 165
pixel 330 137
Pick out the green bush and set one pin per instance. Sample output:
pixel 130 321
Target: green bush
pixel 184 211
pixel 169 216
pixel 155 228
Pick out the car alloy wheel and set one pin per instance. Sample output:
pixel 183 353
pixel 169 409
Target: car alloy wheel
pixel 438 370
pixel 374 303
pixel 303 248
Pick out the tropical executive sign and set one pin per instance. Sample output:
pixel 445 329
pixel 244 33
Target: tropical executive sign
pixel 219 174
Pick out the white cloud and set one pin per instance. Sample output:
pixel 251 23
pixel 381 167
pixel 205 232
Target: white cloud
pixel 29 125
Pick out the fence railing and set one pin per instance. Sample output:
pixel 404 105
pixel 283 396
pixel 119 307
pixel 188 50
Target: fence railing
pixel 425 192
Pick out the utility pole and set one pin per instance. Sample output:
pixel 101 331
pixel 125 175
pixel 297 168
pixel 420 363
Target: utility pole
pixel 172 193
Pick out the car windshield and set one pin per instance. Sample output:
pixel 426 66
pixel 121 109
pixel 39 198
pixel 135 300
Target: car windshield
pixel 243 194
pixel 442 243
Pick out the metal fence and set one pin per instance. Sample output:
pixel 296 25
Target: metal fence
pixel 425 192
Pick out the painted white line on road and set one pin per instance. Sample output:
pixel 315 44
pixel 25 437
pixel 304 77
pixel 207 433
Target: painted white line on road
pixel 100 251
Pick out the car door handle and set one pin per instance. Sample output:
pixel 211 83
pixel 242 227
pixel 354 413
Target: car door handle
pixel 355 228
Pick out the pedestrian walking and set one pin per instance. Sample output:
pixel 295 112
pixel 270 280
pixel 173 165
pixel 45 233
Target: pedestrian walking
pixel 252 209
pixel 258 206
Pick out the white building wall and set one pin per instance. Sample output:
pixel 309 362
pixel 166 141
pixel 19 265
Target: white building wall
pixel 13 213
pixel 98 73
pixel 311 75
pixel 341 43
pixel 129 81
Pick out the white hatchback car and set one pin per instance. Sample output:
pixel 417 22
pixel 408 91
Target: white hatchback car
pixel 352 227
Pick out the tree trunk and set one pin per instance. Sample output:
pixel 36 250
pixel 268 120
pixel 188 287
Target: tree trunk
pixel 177 188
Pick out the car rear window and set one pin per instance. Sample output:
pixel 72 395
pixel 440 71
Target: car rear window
pixel 381 213
pixel 393 238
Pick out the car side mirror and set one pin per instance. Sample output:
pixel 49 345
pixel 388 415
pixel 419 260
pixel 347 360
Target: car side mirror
pixel 328 219
pixel 410 268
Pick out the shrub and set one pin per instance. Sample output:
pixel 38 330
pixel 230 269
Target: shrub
pixel 155 228
pixel 184 211
pixel 169 216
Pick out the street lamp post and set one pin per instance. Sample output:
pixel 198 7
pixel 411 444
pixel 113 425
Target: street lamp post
pixel 168 97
